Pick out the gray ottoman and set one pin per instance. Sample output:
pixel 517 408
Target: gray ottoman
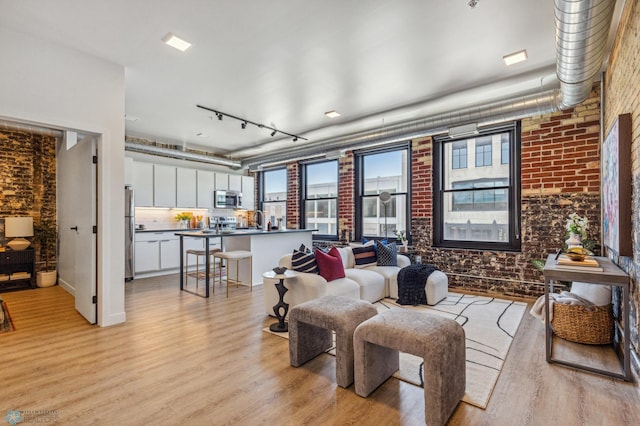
pixel 439 341
pixel 310 326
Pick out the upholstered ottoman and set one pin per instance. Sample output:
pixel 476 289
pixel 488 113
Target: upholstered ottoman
pixel 436 286
pixel 310 326
pixel 439 341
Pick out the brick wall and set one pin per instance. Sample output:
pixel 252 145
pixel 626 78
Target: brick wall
pixel 346 195
pixel 27 176
pixel 293 196
pixel 622 95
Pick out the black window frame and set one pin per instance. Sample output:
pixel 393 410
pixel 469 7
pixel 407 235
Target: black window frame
pixel 514 199
pixel 262 191
pixel 359 189
pixel 304 199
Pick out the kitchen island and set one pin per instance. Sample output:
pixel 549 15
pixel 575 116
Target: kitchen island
pixel 266 248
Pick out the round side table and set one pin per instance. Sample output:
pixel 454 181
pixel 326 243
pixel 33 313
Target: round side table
pixel 281 308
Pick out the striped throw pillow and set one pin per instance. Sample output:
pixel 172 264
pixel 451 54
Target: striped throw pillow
pixel 365 256
pixel 304 262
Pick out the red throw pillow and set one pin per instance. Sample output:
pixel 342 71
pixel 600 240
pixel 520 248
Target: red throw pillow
pixel 330 264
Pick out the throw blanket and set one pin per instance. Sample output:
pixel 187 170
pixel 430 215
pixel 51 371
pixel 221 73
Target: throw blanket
pixel 411 282
pixel 564 297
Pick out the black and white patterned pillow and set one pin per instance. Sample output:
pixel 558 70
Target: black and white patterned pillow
pixel 304 262
pixel 387 254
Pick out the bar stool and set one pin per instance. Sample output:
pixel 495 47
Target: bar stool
pixel 229 256
pixel 198 254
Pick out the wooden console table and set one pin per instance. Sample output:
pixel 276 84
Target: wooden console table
pixel 611 276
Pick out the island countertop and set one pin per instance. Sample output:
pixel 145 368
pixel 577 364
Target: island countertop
pixel 238 232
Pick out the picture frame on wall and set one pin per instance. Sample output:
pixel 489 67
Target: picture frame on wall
pixel 616 187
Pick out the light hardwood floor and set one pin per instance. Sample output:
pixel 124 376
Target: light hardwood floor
pixel 183 360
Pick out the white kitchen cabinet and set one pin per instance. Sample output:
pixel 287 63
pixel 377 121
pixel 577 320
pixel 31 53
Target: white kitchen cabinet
pixel 170 252
pixel 206 183
pixel 235 183
pixel 143 184
pixel 248 193
pixel 128 171
pixel 186 187
pixel 146 256
pixel 164 186
pixel 222 181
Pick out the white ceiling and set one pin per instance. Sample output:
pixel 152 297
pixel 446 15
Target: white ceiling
pixel 284 63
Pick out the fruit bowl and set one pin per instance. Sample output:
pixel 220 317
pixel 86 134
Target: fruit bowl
pixel 577 254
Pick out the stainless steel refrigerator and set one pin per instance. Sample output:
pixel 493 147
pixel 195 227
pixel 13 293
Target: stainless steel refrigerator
pixel 129 233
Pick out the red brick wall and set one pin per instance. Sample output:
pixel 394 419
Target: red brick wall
pixel 293 196
pixel 421 178
pixel 346 195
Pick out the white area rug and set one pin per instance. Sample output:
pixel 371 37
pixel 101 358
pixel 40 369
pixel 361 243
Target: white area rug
pixel 489 326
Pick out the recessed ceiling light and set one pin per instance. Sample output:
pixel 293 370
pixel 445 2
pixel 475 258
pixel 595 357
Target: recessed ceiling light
pixel 514 58
pixel 332 114
pixel 176 42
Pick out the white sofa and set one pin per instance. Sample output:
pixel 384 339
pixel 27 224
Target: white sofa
pixel 371 283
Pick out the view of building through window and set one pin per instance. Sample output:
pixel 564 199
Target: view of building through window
pixel 274 200
pixel 475 200
pixel 321 197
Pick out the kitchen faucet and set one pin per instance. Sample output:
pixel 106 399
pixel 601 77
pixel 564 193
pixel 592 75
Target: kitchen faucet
pixel 255 215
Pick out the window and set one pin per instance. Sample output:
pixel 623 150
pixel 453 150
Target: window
pixel 382 171
pixel 478 207
pixel 320 194
pixel 273 194
pixel 459 155
pixel 483 152
pixel 504 149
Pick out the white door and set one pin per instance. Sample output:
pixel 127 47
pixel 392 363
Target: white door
pixel 76 218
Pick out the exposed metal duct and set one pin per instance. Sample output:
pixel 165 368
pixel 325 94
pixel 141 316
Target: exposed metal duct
pixel 488 114
pixel 181 155
pixel 582 28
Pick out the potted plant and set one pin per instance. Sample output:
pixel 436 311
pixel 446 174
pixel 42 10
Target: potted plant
pixel 184 218
pixel 402 237
pixel 46 233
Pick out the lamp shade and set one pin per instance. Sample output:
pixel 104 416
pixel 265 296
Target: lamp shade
pixel 18 227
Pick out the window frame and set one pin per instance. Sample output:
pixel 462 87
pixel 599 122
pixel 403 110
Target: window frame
pixel 359 189
pixel 514 199
pixel 304 199
pixel 262 191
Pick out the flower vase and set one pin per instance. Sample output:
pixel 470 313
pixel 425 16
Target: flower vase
pixel 574 240
pixel 184 224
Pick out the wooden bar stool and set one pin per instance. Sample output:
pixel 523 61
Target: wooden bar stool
pixel 198 254
pixel 237 256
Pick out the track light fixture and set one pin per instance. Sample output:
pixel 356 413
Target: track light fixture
pixel 244 123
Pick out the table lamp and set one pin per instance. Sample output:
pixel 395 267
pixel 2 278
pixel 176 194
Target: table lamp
pixel 17 228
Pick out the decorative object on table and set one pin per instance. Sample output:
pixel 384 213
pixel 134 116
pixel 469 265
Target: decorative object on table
pixel 577 229
pixel 18 228
pixel 46 233
pixel 402 237
pixel 184 218
pixel 279 270
pixel 385 197
pixel 281 308
pixel 577 254
pixel 616 187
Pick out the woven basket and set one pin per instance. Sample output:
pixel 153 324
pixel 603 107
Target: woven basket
pixel 592 325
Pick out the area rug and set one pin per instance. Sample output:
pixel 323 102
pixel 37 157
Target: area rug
pixel 6 325
pixel 489 324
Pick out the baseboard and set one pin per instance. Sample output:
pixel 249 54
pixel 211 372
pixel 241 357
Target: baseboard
pixel 68 287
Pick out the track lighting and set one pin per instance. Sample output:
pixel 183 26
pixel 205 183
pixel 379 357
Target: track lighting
pixel 244 123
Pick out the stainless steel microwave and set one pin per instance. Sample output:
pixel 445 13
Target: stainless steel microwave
pixel 227 200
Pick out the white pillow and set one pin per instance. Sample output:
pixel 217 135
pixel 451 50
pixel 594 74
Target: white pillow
pixel 595 293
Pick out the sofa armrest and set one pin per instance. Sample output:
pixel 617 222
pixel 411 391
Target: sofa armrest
pixel 403 261
pixel 301 288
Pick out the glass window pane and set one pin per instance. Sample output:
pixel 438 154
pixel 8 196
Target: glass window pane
pixel 476 216
pixel 504 148
pixel 385 171
pixel 275 185
pixel 322 179
pixel 321 215
pixel 483 152
pixel 375 225
pixel 277 209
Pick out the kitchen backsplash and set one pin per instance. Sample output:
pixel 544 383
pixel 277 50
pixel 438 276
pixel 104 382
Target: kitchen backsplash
pixel 159 218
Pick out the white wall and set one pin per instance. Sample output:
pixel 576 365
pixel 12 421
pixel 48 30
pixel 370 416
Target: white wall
pixel 48 84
